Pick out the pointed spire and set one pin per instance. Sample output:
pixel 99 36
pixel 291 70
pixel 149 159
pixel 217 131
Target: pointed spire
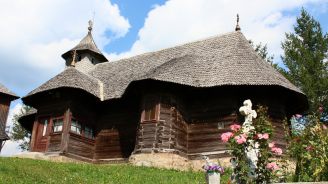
pixel 90 26
pixel 87 44
pixel 237 26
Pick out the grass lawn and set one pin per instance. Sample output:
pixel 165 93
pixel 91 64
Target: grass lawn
pixel 16 170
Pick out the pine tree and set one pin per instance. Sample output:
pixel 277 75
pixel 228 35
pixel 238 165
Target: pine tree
pixel 19 133
pixel 305 56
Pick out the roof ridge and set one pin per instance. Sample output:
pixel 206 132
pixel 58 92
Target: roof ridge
pixel 175 46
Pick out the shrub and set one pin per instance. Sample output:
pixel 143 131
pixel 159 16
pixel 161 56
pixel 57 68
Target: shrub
pixel 258 138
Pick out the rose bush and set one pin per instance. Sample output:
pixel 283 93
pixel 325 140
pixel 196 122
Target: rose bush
pixel 309 148
pixel 238 142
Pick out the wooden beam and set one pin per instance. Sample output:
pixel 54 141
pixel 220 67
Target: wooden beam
pixel 33 136
pixel 65 132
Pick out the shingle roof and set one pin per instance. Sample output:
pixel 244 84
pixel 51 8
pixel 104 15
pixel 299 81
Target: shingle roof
pixel 87 43
pixel 71 78
pixel 26 119
pixel 227 59
pixel 6 91
pixel 30 112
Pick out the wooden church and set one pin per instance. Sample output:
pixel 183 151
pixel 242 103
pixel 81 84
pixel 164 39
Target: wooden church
pixel 6 96
pixel 176 101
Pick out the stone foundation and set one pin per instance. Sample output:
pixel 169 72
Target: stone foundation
pixel 159 160
pixel 172 161
pixel 50 157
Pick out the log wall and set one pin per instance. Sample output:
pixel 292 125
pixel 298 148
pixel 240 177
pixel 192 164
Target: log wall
pixel 193 128
pixel 189 125
pixel 204 138
pixel 80 146
pixel 54 142
pixel 4 109
pixel 116 130
pixel 166 134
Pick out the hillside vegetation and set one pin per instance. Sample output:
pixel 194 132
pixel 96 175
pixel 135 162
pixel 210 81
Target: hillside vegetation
pixel 16 170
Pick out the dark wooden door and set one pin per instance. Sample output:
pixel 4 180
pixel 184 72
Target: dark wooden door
pixel 42 132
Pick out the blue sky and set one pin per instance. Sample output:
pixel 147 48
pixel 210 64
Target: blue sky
pixel 35 33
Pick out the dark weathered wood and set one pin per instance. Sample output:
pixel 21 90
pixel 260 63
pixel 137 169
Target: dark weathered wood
pixel 54 142
pixel 4 109
pixel 188 121
pixel 81 146
pixel 65 133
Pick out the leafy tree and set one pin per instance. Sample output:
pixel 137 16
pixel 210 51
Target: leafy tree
pixel 305 56
pixel 18 133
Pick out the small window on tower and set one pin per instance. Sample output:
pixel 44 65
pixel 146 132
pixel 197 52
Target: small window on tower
pixel 79 58
pixel 93 61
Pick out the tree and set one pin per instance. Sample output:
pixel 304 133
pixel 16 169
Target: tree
pixel 305 56
pixel 19 133
pixel 262 51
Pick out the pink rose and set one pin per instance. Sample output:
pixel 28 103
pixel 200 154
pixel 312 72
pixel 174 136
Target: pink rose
pixel 321 109
pixel 324 127
pixel 277 151
pixel 272 144
pixel 235 127
pixel 309 148
pixel 263 136
pixel 272 166
pixel 241 139
pixel 226 136
pixel 298 115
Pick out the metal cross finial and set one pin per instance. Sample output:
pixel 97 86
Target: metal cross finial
pixel 90 25
pixel 237 26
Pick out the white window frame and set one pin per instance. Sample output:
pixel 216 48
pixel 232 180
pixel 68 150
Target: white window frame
pixel 45 126
pixel 58 125
pixel 76 127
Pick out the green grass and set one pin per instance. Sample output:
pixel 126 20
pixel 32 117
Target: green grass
pixel 15 170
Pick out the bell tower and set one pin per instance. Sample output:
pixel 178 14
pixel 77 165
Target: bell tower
pixel 85 54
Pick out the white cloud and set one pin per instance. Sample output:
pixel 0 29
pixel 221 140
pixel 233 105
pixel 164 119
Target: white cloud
pixel 180 21
pixel 11 147
pixel 35 33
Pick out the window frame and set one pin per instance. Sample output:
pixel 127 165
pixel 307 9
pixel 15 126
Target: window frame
pixel 83 127
pixel 91 134
pixel 77 125
pixel 156 108
pixel 54 124
pixel 45 127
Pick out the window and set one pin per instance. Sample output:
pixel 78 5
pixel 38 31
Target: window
pixel 79 58
pixel 76 126
pixel 88 133
pixel 58 125
pixel 45 126
pixel 150 113
pixel 150 109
